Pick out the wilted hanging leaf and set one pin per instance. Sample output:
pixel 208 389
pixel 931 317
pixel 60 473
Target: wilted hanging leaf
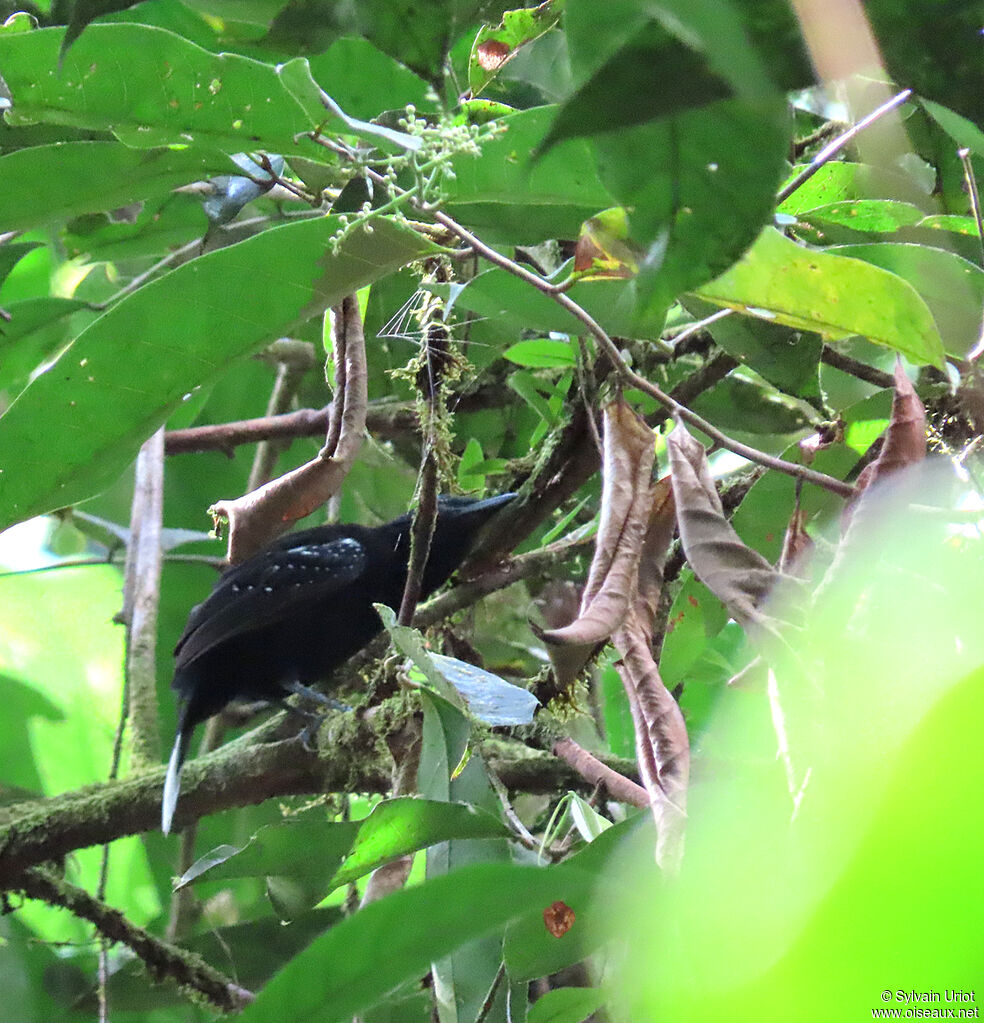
pixel 662 744
pixel 905 440
pixel 626 501
pixel 797 545
pixel 659 535
pixel 737 575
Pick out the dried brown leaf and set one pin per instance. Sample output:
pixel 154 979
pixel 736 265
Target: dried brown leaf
pixel 625 511
pixel 797 546
pixel 737 575
pixel 259 516
pixel 905 441
pixel 662 744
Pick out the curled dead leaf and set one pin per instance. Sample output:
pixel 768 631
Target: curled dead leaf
pixel 905 441
pixel 259 516
pixel 737 575
pixel 626 503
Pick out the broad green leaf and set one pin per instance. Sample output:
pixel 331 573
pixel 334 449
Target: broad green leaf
pixel 541 353
pixel 86 11
pixel 46 184
pixel 77 425
pixel 337 853
pixel 566 1005
pixel 738 404
pixel 364 81
pixel 700 187
pixel 417 35
pixel 671 58
pixel 506 300
pixel 490 698
pixel 507 197
pixel 399 826
pixel 35 330
pixel 166 91
pixel 362 959
pixel 846 182
pixel 450 769
pixel 787 358
pixel 12 254
pixel 493 47
pixel 831 295
pixel 531 950
pixel 163 224
pixel 868 215
pixel 951 286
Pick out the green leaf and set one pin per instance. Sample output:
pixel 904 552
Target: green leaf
pixel 789 359
pixel 337 853
pixel 46 184
pixel 849 182
pixel 343 972
pixel 951 286
pixel 700 186
pixel 868 215
pixel 76 426
pixel 531 950
pixel 670 58
pixel 364 81
pixel 167 90
pixel 35 330
pixel 507 197
pixel 489 698
pixel 831 295
pixel 541 353
pixel 400 826
pixel 12 254
pixel 86 11
pixel 566 1005
pixel 494 46
pixel 514 306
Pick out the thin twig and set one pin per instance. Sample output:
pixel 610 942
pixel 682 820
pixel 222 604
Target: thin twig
pixel 836 145
pixel 975 199
pixel 633 379
pixel 855 367
pixel 596 773
pixel 421 533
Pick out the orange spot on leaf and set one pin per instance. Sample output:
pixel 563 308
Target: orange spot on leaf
pixel 558 918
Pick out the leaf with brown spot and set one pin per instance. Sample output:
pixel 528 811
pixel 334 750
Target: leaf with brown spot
pixel 492 54
pixel 737 575
pixel 558 918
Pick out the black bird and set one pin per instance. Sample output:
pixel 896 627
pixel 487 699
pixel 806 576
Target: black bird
pixel 293 613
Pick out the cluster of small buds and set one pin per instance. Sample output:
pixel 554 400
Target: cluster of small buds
pixel 431 165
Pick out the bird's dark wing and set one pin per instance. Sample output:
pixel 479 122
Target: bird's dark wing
pixel 267 588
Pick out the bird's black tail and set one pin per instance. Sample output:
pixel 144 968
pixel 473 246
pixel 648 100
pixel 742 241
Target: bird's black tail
pixel 172 781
